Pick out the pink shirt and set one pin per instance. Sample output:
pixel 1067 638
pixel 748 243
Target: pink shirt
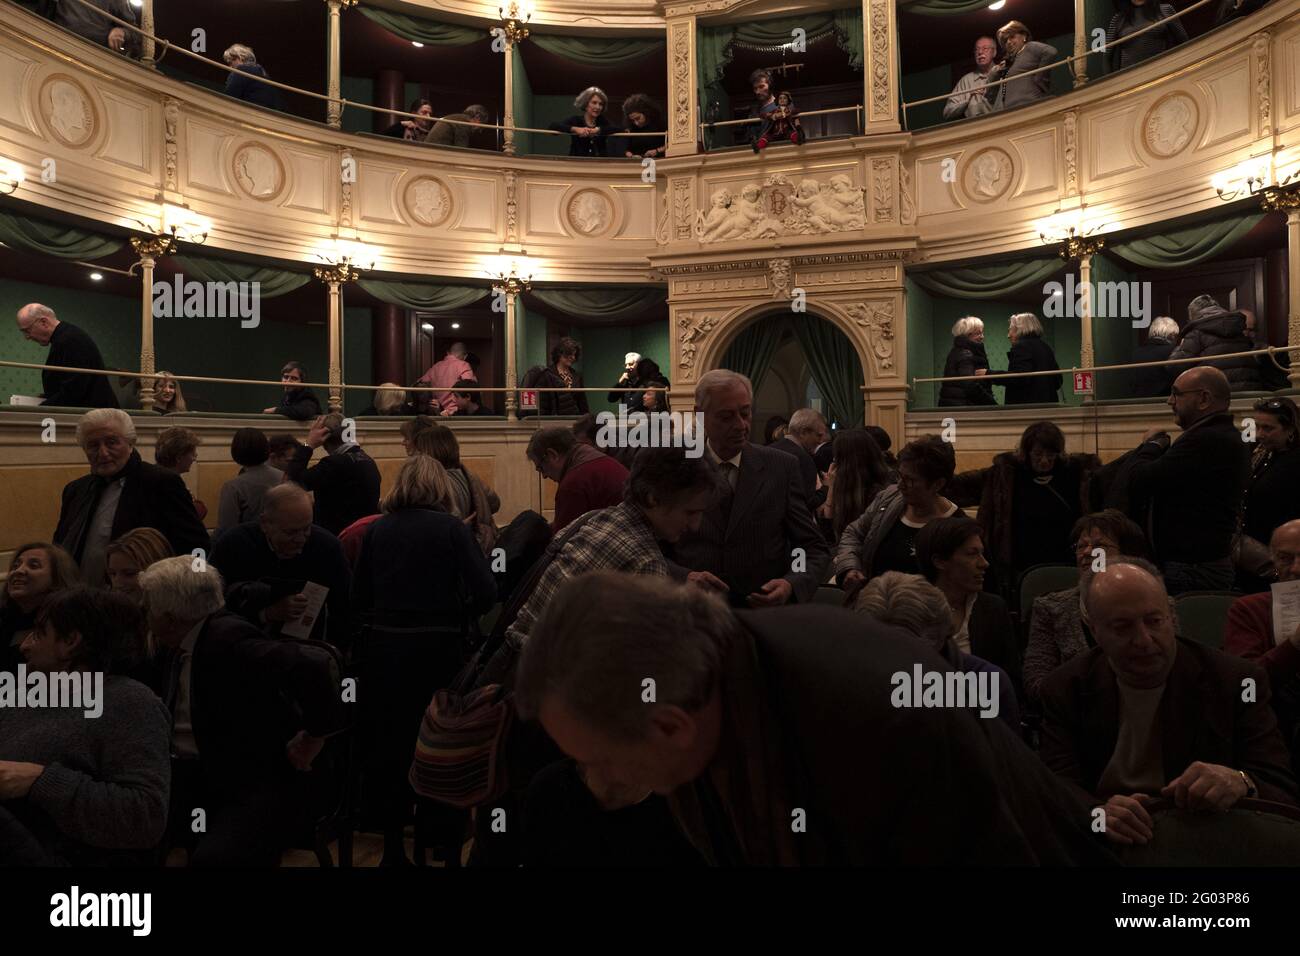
pixel 446 373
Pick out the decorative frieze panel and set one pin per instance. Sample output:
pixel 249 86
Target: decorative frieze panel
pixel 782 205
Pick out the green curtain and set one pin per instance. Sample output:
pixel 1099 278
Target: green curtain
pixel 751 352
pixel 597 51
pixel 1186 247
pixel 835 367
pixel 24 234
pixel 608 305
pixel 274 282
pixel 941 8
pixel 987 282
pixel 424 31
pixel 848 33
pixel 420 295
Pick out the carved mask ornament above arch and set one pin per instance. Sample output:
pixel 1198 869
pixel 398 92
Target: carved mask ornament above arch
pixel 258 172
pixel 68 111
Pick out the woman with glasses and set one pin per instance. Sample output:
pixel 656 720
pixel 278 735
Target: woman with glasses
pixel 1272 495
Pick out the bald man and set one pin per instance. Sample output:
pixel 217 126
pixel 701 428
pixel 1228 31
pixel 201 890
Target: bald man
pixel 1193 486
pixel 69 347
pixel 1145 714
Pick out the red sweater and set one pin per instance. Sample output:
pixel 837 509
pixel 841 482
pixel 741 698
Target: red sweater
pixel 1249 634
pixel 596 482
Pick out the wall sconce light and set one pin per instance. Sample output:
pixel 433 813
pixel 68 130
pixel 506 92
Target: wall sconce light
pixel 1259 177
pixel 511 274
pixel 1073 230
pixel 514 19
pixel 345 260
pixel 11 176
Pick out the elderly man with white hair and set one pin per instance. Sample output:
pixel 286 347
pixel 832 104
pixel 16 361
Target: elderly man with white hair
pixel 70 347
pixel 806 431
pixel 122 492
pixel 248 713
pixel 625 391
pixel 1029 353
pixel 757 544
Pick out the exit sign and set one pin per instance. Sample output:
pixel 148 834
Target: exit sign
pixel 1082 383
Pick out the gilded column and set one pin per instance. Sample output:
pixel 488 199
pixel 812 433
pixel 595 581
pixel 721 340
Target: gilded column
pixel 684 105
pixel 880 42
pixel 335 60
pixel 335 347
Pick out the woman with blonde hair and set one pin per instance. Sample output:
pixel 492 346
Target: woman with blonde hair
pixel 167 394
pixel 130 554
pixel 390 399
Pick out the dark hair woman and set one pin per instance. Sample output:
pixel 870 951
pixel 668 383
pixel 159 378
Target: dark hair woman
pixel 966 357
pixel 38 571
pixel 1132 16
pixel 1271 499
pixel 88 791
pixel 1029 499
pixel 241 496
pixel 588 128
pixel 775 428
pixel 856 476
pixel 411 129
pixel 561 374
pixel 640 116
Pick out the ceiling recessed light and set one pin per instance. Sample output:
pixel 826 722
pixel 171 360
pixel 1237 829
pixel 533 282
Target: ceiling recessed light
pixel 97 276
pixel 455 325
pixel 417 44
pixel 426 326
pixel 998 6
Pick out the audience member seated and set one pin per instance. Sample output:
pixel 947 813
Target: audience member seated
pixel 176 450
pixel 345 482
pixel 167 395
pixel 1249 633
pixel 950 554
pixel 37 572
pixel 586 478
pixel 757 545
pixel 130 554
pixel 1146 714
pixel 640 116
pixel 420 621
pixel 1272 496
pixel 628 390
pixel 453 133
pixel 885 442
pixel 1192 488
pixel 1135 15
pixel 82 20
pixel 666 497
pixel 883 538
pixel 241 85
pixel 297 403
pixel 561 374
pixel 469 402
pixel 651 376
pixel 444 374
pixel 750 714
pixel 390 399
pixel 241 496
pixel 1058 620
pixel 968 96
pixel 248 717
pixel 280 450
pixel 267 563
pixel 87 779
pixel 806 431
pixel 909 602
pixel 1029 500
pixel 588 128
pixel 412 130
pixel 70 347
pixel 1213 330
pixel 967 357
pixel 1155 382
pixel 1021 54
pixel 121 492
pixel 857 474
pixel 1029 353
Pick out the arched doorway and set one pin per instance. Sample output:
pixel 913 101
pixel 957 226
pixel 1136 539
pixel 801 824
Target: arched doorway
pixel 797 360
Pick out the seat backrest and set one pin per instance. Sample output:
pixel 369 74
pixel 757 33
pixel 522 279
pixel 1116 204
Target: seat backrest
pixel 1203 615
pixel 1043 579
pixel 829 595
pixel 1243 836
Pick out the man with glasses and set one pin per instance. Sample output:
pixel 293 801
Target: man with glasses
pixel 1190 490
pixel 968 97
pixel 267 563
pixel 70 347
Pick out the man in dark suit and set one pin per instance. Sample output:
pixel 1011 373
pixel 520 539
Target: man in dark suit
pixel 806 431
pixel 757 544
pixel 1144 714
pixel 250 715
pixel 70 347
pixel 345 482
pixel 777 738
pixel 121 493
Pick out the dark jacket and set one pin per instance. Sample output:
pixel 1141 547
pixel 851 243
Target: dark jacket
pixel 345 483
pixel 1213 330
pixel 256 577
pixel 71 347
pixel 754 544
pixel 1193 490
pixel 152 497
pixel 1031 354
pixel 241 87
pixel 84 21
pixel 300 404
pixel 1154 382
pixel 585 145
pixel 450 134
pixel 966 358
pixel 1202 717
pixel 993 638
pixel 560 403
pixel 1130 19
pixel 807 469
pixel 1231 9
pixel 1021 90
pixel 800 682
pixel 639 145
pixel 1272 495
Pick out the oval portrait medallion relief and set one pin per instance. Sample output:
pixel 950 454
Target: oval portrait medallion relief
pixel 590 213
pixel 428 201
pixel 988 175
pixel 258 172
pixel 68 111
pixel 1170 125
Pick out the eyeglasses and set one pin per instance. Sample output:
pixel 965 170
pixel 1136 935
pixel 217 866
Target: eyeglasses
pixel 1178 393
